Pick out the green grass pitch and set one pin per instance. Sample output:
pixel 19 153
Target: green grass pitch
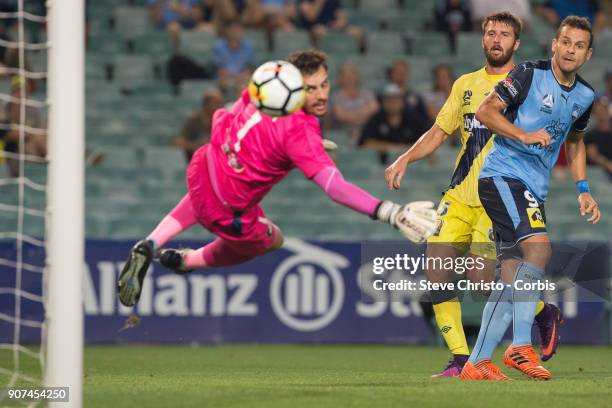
pixel 325 376
pixel 328 376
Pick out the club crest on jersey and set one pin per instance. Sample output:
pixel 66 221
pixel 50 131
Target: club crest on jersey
pixel 467 96
pixel 576 111
pixel 547 103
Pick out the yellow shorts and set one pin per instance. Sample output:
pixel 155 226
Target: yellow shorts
pixel 466 228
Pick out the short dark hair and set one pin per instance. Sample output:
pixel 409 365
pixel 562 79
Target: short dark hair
pixel 308 61
pixel 505 17
pixel 581 23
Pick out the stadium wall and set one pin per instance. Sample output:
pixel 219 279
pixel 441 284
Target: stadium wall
pixel 307 292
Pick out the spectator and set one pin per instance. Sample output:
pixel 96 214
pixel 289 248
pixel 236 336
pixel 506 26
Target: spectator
pixel 399 74
pixel 234 58
pixel 172 15
pixel 599 140
pixel 554 11
pixel 443 79
pixel 249 13
pixel 197 127
pixel 278 16
pixel 390 129
pixel 351 105
pixel 35 137
pixel 320 16
pixel 452 16
pixel 482 8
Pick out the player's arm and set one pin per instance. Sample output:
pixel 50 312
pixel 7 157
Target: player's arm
pixel 575 151
pixel 416 220
pixel 426 145
pixel 490 114
pixel 448 120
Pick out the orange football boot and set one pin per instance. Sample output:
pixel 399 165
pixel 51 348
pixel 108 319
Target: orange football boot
pixel 482 370
pixel 525 359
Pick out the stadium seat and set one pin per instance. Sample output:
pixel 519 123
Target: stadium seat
pixel 338 43
pixel 133 71
pixel 285 43
pixel 198 45
pixel 131 22
pixel 427 44
pixel 385 43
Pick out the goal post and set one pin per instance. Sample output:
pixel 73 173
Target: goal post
pixel 65 197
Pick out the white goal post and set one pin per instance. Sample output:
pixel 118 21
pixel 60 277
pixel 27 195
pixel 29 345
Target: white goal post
pixel 65 197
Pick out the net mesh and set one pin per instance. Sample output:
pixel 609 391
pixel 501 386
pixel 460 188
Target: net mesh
pixel 23 168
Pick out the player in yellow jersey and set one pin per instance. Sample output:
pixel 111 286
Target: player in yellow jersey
pixel 464 229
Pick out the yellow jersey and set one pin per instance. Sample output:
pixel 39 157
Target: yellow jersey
pixel 468 92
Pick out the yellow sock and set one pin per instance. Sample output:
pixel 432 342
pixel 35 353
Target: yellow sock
pixel 539 307
pixel 448 317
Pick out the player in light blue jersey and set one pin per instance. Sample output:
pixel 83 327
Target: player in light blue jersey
pixel 533 111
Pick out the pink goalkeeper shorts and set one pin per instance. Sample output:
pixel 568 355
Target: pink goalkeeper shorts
pixel 248 227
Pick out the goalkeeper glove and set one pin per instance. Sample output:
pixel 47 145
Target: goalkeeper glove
pixel 415 220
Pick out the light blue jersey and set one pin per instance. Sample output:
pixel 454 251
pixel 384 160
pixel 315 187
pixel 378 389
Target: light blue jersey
pixel 536 100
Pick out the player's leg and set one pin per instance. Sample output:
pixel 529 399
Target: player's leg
pixel 220 252
pixel 242 236
pixel 449 241
pixel 497 313
pixel 548 316
pixel 524 228
pixel 141 255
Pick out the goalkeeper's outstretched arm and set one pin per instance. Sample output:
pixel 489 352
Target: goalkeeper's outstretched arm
pixel 426 145
pixel 415 221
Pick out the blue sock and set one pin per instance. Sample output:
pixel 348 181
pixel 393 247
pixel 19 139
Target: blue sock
pixel 496 318
pixel 525 302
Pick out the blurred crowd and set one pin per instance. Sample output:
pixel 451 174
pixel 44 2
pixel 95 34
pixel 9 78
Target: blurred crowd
pixel 388 120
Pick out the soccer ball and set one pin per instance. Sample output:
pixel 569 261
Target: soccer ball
pixel 277 88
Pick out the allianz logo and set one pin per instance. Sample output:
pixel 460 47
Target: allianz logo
pixel 172 295
pixel 306 292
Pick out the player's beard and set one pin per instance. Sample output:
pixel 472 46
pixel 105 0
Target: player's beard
pixel 501 60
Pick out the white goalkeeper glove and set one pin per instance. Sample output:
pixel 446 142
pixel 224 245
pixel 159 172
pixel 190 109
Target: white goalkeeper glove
pixel 329 145
pixel 415 220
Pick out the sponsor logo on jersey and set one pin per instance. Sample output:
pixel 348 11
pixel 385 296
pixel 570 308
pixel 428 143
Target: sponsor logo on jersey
pixel 535 218
pixel 547 103
pixel 470 123
pixel 507 83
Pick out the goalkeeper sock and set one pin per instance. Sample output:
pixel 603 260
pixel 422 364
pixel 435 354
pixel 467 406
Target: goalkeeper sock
pixel 178 220
pixel 525 302
pixel 448 317
pixel 496 318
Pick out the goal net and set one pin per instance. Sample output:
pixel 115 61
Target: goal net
pixel 41 188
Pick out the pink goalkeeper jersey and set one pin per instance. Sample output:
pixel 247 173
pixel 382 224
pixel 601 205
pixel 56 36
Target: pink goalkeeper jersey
pixel 250 152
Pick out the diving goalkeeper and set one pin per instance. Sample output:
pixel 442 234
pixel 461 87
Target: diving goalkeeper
pixel 248 154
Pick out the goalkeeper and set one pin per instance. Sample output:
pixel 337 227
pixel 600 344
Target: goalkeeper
pixel 463 226
pixel 248 154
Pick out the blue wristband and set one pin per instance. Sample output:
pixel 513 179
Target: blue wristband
pixel 583 186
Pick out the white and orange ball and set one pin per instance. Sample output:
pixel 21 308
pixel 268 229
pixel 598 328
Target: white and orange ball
pixel 277 88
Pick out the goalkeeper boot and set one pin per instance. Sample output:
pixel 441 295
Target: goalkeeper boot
pixel 453 369
pixel 134 271
pixel 548 322
pixel 173 259
pixel 482 370
pixel 525 359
